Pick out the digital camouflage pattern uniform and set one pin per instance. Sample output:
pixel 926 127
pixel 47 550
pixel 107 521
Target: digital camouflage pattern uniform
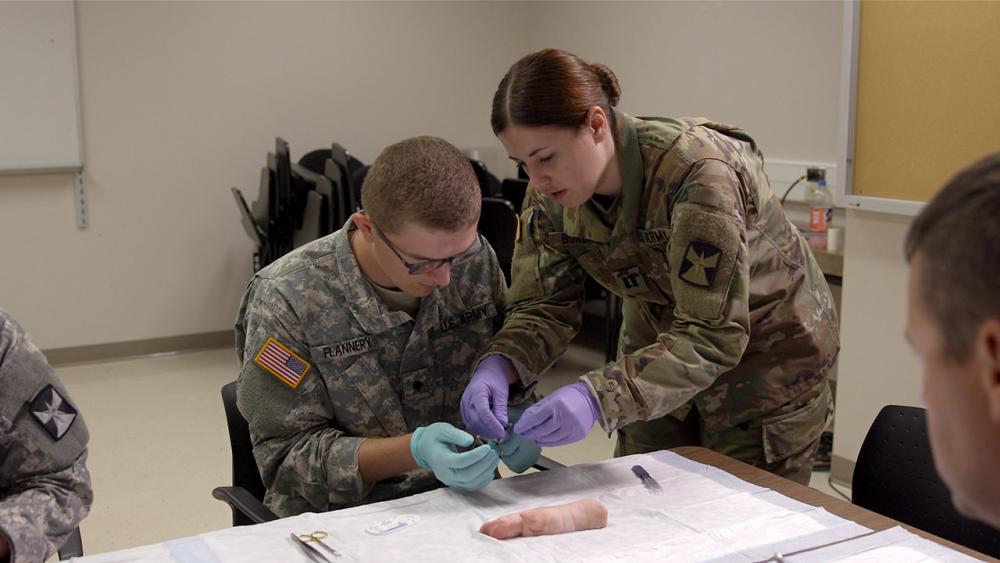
pixel 369 372
pixel 729 328
pixel 44 484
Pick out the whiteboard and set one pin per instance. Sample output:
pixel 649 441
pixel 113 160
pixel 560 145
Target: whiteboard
pixel 39 88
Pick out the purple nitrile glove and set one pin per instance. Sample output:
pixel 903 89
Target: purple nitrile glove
pixel 484 402
pixel 564 417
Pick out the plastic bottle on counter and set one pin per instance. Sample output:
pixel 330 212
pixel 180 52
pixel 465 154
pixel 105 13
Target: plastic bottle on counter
pixel 820 201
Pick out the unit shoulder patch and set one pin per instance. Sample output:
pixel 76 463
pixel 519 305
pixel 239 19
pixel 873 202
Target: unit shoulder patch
pixel 53 412
pixel 704 254
pixel 278 360
pixel 700 264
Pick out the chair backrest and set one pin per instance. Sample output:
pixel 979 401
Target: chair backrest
pixel 895 476
pixel 73 546
pixel 514 190
pixel 498 223
pixel 316 160
pixel 245 473
pixel 489 185
pixel 347 165
pixel 340 203
pixel 359 172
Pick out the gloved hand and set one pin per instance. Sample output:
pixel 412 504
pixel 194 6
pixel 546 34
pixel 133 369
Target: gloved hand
pixel 519 453
pixel 562 418
pixel 434 447
pixel 484 402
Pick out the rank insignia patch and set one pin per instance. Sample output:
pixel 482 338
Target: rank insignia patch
pixel 53 412
pixel 631 281
pixel 701 263
pixel 282 363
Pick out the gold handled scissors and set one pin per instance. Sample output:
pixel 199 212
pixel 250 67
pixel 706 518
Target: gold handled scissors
pixel 318 536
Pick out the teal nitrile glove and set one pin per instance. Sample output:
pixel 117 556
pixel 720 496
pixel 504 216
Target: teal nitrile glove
pixel 518 453
pixel 434 447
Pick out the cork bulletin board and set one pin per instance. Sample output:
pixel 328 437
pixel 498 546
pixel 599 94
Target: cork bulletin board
pixel 926 87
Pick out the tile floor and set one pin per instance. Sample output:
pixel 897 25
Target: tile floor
pixel 159 444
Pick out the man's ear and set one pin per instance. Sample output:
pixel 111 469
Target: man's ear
pixel 364 225
pixel 988 363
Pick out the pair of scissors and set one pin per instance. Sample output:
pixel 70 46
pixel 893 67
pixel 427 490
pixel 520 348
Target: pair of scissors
pixel 317 537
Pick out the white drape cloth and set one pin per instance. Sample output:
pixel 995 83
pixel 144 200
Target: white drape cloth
pixel 702 514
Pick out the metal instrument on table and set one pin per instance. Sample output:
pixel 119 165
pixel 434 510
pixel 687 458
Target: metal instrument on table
pixel 304 541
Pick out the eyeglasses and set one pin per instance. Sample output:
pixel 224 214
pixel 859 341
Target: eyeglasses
pixel 425 266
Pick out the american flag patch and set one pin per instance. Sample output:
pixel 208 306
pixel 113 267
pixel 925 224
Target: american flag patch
pixel 282 363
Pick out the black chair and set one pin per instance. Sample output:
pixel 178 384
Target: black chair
pixel 348 166
pixel 341 190
pixel 246 496
pixel 340 202
pixel 316 160
pixel 514 190
pixel 359 172
pixel 489 185
pixel 73 546
pixel 314 217
pixel 895 476
pixel 498 223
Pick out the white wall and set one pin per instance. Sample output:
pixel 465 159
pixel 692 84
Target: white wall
pixel 770 67
pixel 182 100
pixel 877 367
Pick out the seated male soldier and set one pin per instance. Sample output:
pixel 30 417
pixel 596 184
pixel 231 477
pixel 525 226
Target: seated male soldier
pixel 356 347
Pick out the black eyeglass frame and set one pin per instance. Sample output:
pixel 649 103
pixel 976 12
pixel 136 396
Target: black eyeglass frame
pixel 427 266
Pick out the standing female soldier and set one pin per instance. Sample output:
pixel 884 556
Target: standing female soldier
pixel 728 326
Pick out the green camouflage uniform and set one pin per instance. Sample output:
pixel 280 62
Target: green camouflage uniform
pixel 728 324
pixel 44 484
pixel 371 373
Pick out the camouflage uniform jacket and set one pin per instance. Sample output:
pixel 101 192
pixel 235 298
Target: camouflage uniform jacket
pixel 44 484
pixel 724 306
pixel 370 372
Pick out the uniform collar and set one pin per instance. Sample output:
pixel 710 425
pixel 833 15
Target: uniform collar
pixel 632 173
pixel 586 220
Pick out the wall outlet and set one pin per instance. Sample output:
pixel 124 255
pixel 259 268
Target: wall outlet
pixel 783 173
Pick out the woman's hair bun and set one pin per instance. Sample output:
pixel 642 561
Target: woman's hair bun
pixel 609 82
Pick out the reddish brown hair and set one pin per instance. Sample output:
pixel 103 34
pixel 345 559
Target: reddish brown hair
pixel 553 87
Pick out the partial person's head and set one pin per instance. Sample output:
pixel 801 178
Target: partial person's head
pixel 553 113
pixel 953 248
pixel 421 205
